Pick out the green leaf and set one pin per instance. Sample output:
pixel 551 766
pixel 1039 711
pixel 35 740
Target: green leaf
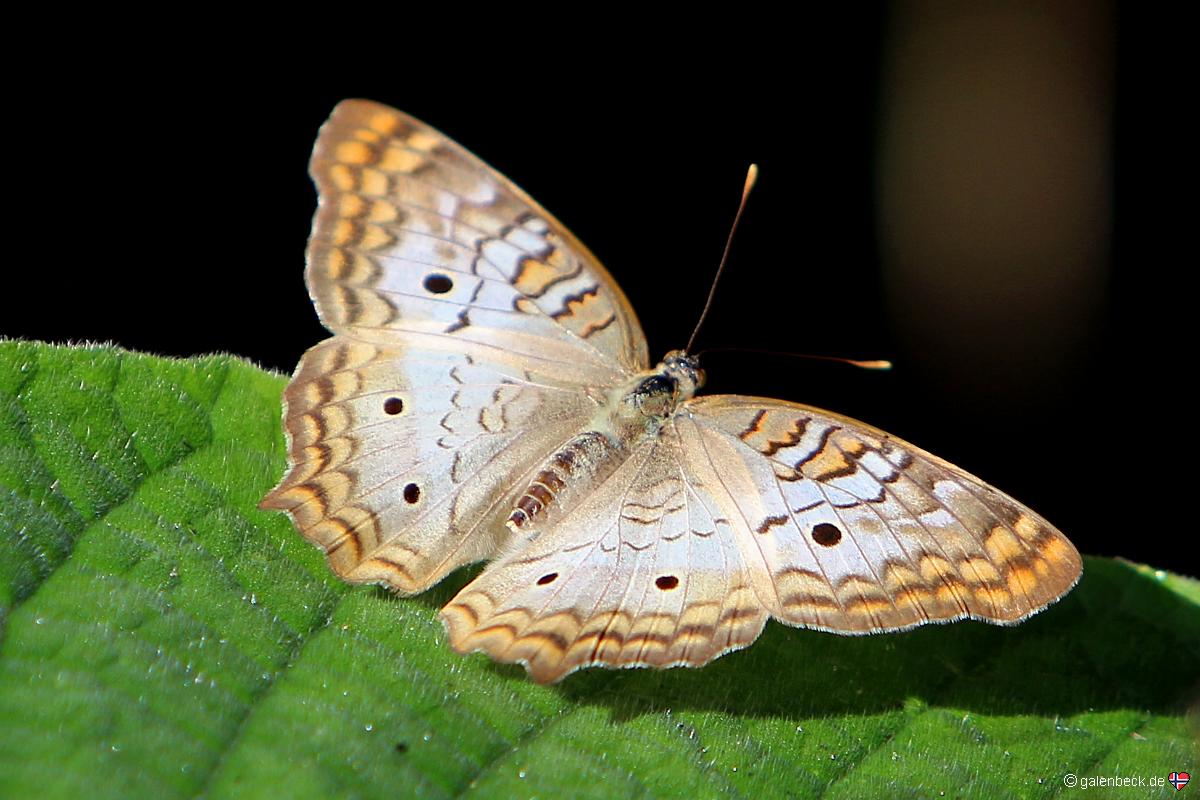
pixel 162 637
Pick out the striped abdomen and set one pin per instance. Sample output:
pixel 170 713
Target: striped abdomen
pixel 585 460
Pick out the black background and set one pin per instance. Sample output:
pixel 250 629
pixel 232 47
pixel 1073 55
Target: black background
pixel 164 206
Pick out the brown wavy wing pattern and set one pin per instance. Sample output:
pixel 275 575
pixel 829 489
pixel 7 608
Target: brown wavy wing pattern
pixel 861 532
pixel 640 574
pixel 416 236
pixel 405 461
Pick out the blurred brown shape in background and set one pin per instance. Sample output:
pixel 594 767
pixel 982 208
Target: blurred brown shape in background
pixel 995 189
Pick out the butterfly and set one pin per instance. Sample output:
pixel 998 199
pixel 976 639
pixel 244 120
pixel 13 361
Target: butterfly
pixel 488 396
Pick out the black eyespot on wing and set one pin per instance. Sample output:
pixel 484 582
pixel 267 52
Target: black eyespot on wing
pixel 393 405
pixel 438 283
pixel 550 578
pixel 412 493
pixel 666 582
pixel 826 535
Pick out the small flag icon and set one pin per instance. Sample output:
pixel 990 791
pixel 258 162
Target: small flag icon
pixel 1179 779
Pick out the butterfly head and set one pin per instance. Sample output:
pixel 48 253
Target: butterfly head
pixel 686 372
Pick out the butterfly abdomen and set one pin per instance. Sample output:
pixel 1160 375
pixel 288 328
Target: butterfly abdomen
pixel 582 462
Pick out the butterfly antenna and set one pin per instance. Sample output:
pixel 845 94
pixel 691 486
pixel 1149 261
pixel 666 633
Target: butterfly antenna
pixel 877 363
pixel 751 177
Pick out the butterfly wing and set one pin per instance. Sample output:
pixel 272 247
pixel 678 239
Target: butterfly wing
pixel 416 236
pixel 642 573
pixel 746 508
pixel 474 336
pixel 860 532
pixel 405 461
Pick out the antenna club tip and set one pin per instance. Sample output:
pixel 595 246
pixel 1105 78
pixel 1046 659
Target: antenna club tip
pixel 751 178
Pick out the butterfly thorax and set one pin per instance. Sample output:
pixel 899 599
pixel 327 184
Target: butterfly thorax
pixel 635 410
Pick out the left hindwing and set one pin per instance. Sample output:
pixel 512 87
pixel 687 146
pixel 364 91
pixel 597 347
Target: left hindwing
pixel 641 573
pixel 860 532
